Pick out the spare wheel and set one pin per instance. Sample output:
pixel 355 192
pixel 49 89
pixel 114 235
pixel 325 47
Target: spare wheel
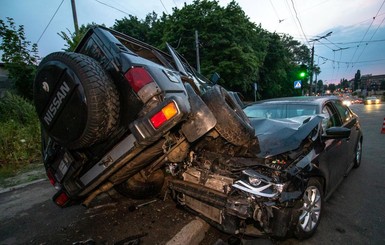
pixel 76 101
pixel 232 123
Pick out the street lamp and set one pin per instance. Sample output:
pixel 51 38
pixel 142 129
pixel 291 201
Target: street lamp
pixel 312 58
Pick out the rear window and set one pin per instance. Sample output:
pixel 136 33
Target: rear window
pixel 275 111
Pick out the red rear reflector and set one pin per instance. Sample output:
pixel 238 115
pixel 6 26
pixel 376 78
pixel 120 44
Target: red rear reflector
pixel 62 199
pixel 167 112
pixel 138 77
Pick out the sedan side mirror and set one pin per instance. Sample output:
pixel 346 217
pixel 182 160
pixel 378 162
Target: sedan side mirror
pixel 337 133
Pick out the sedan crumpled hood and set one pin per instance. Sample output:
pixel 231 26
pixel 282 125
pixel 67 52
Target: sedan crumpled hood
pixel 279 136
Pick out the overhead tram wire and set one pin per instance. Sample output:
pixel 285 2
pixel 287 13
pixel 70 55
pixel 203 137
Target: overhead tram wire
pixel 164 6
pixel 53 16
pixel 292 16
pixel 367 43
pixel 357 62
pixel 299 22
pixel 353 42
pixel 123 7
pixel 276 13
pixel 367 30
pixel 110 6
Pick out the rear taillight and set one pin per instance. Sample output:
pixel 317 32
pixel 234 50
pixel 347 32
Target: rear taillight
pixel 61 199
pixel 167 112
pixel 138 77
pixel 51 178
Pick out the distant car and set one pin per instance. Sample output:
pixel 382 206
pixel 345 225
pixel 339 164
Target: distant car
pixel 307 145
pixel 347 100
pixel 357 101
pixel 371 100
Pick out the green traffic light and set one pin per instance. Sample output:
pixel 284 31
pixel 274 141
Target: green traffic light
pixel 302 74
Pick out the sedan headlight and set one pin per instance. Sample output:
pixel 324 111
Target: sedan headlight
pixel 254 181
pixel 259 185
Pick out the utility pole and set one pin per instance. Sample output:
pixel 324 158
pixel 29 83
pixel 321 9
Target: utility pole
pixel 312 59
pixel 197 51
pixel 75 16
pixel 311 70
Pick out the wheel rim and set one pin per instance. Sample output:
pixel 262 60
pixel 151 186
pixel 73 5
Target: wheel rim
pixel 311 209
pixel 358 153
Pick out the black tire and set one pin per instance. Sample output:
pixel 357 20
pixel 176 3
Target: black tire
pixel 139 188
pixel 77 102
pixel 232 123
pixel 309 216
pixel 358 154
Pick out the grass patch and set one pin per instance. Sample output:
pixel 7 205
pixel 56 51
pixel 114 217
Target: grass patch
pixel 25 174
pixel 19 136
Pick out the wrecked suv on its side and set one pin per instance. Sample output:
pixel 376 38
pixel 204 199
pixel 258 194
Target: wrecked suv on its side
pixel 115 110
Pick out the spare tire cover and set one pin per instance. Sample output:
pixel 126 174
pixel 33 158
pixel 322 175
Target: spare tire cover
pixel 76 101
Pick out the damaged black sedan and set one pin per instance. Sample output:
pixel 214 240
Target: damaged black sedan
pixel 306 147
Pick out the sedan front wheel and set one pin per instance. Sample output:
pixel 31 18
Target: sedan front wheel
pixel 357 158
pixel 310 213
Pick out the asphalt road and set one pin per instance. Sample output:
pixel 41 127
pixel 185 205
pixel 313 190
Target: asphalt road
pixel 355 214
pixel 28 216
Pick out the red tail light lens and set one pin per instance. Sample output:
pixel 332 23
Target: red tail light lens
pixel 62 199
pixel 167 112
pixel 138 77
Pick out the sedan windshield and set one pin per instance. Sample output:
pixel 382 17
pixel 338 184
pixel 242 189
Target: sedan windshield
pixel 276 111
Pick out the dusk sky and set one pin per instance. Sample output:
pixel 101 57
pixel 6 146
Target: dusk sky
pixel 357 41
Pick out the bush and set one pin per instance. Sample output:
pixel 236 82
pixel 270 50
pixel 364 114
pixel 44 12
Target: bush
pixel 19 133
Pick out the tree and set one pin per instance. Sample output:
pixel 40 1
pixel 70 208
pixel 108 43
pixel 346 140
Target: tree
pixel 228 42
pixel 19 56
pixel 72 39
pixel 357 80
pixel 134 27
pixel 344 84
pixel 332 87
pixel 320 87
pixel 284 60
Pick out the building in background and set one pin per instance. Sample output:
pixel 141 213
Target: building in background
pixel 373 83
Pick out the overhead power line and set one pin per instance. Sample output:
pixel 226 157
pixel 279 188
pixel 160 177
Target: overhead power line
pixel 367 30
pixel 347 62
pixel 163 6
pixel 53 16
pixel 374 33
pixel 110 6
pixel 299 22
pixel 354 42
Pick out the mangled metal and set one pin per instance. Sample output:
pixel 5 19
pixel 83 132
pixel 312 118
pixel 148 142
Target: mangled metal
pixel 250 194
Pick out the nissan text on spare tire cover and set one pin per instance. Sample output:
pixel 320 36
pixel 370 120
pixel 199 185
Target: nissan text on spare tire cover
pixel 76 100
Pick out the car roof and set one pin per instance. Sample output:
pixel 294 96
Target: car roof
pixel 316 100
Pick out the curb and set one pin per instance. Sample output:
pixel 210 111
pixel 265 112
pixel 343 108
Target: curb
pixel 7 189
pixel 192 234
